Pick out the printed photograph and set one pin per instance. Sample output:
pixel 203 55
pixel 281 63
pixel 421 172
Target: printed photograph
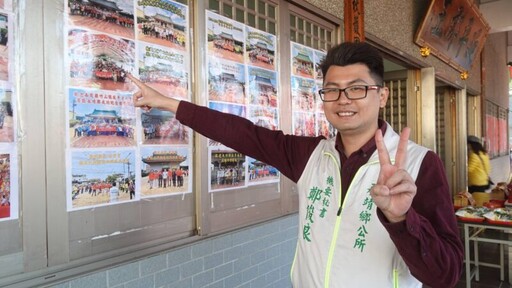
pixel 260 48
pixel 226 81
pixel 324 128
pixel 319 57
pixel 303 94
pixel 260 172
pixel 303 124
pixel 6 116
pixel 161 127
pixel 100 178
pixel 163 22
pixel 164 70
pixel 262 87
pixel 164 170
pixel 5 187
pixel 100 61
pixel 4 47
pixel 264 116
pixel 111 17
pixel 227 169
pixel 225 37
pixel 6 4
pixel 100 119
pixel 302 61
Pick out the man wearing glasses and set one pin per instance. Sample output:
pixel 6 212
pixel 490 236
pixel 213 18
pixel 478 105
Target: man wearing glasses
pixel 374 208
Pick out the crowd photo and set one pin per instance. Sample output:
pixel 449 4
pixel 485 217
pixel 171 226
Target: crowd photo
pixel 103 15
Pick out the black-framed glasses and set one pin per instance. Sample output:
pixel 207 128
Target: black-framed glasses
pixel 354 92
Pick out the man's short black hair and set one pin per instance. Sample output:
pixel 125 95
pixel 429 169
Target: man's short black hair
pixel 348 53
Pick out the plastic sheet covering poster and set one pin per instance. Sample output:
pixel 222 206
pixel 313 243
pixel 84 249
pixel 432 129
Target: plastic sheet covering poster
pixel 308 118
pixel 9 195
pixel 242 81
pixel 111 144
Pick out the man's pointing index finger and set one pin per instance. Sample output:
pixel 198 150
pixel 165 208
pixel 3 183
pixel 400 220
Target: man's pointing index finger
pixel 137 82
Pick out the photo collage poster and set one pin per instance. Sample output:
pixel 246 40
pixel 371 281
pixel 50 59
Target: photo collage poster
pixel 116 153
pixel 9 189
pixel 242 80
pixel 308 117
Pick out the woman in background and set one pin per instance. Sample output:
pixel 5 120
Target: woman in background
pixel 478 166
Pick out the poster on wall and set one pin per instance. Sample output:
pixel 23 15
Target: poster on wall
pixel 225 37
pixel 99 118
pixel 9 196
pixel 106 41
pixel 101 177
pixel 260 48
pixel 308 118
pixel 99 60
pixel 227 169
pixel 241 81
pixel 163 22
pixel 113 17
pixel 165 170
pixel 8 185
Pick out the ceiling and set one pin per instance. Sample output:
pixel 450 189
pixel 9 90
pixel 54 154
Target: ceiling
pixel 498 13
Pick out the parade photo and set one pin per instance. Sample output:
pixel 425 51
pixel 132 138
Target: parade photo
pixel 101 178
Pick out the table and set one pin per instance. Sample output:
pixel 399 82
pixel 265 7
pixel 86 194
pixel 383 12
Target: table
pixel 484 232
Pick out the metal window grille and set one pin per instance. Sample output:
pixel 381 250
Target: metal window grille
pixel 259 14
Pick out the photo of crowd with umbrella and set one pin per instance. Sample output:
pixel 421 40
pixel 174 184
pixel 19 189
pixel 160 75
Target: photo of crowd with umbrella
pixel 242 81
pixel 100 61
pixel 101 118
pixel 107 40
pixel 308 118
pixel 101 177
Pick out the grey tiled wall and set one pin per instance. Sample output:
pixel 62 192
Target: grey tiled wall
pixel 256 257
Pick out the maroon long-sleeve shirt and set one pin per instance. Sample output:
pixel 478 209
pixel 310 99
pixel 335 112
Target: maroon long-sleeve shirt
pixel 428 240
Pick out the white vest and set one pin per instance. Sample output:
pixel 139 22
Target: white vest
pixel 353 249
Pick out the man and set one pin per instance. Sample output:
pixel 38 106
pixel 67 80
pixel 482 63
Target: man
pixel 114 193
pixel 365 219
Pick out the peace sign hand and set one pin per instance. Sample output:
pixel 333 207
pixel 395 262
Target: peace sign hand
pixel 395 188
pixel 148 98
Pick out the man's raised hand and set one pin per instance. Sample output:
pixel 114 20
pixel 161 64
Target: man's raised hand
pixel 395 188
